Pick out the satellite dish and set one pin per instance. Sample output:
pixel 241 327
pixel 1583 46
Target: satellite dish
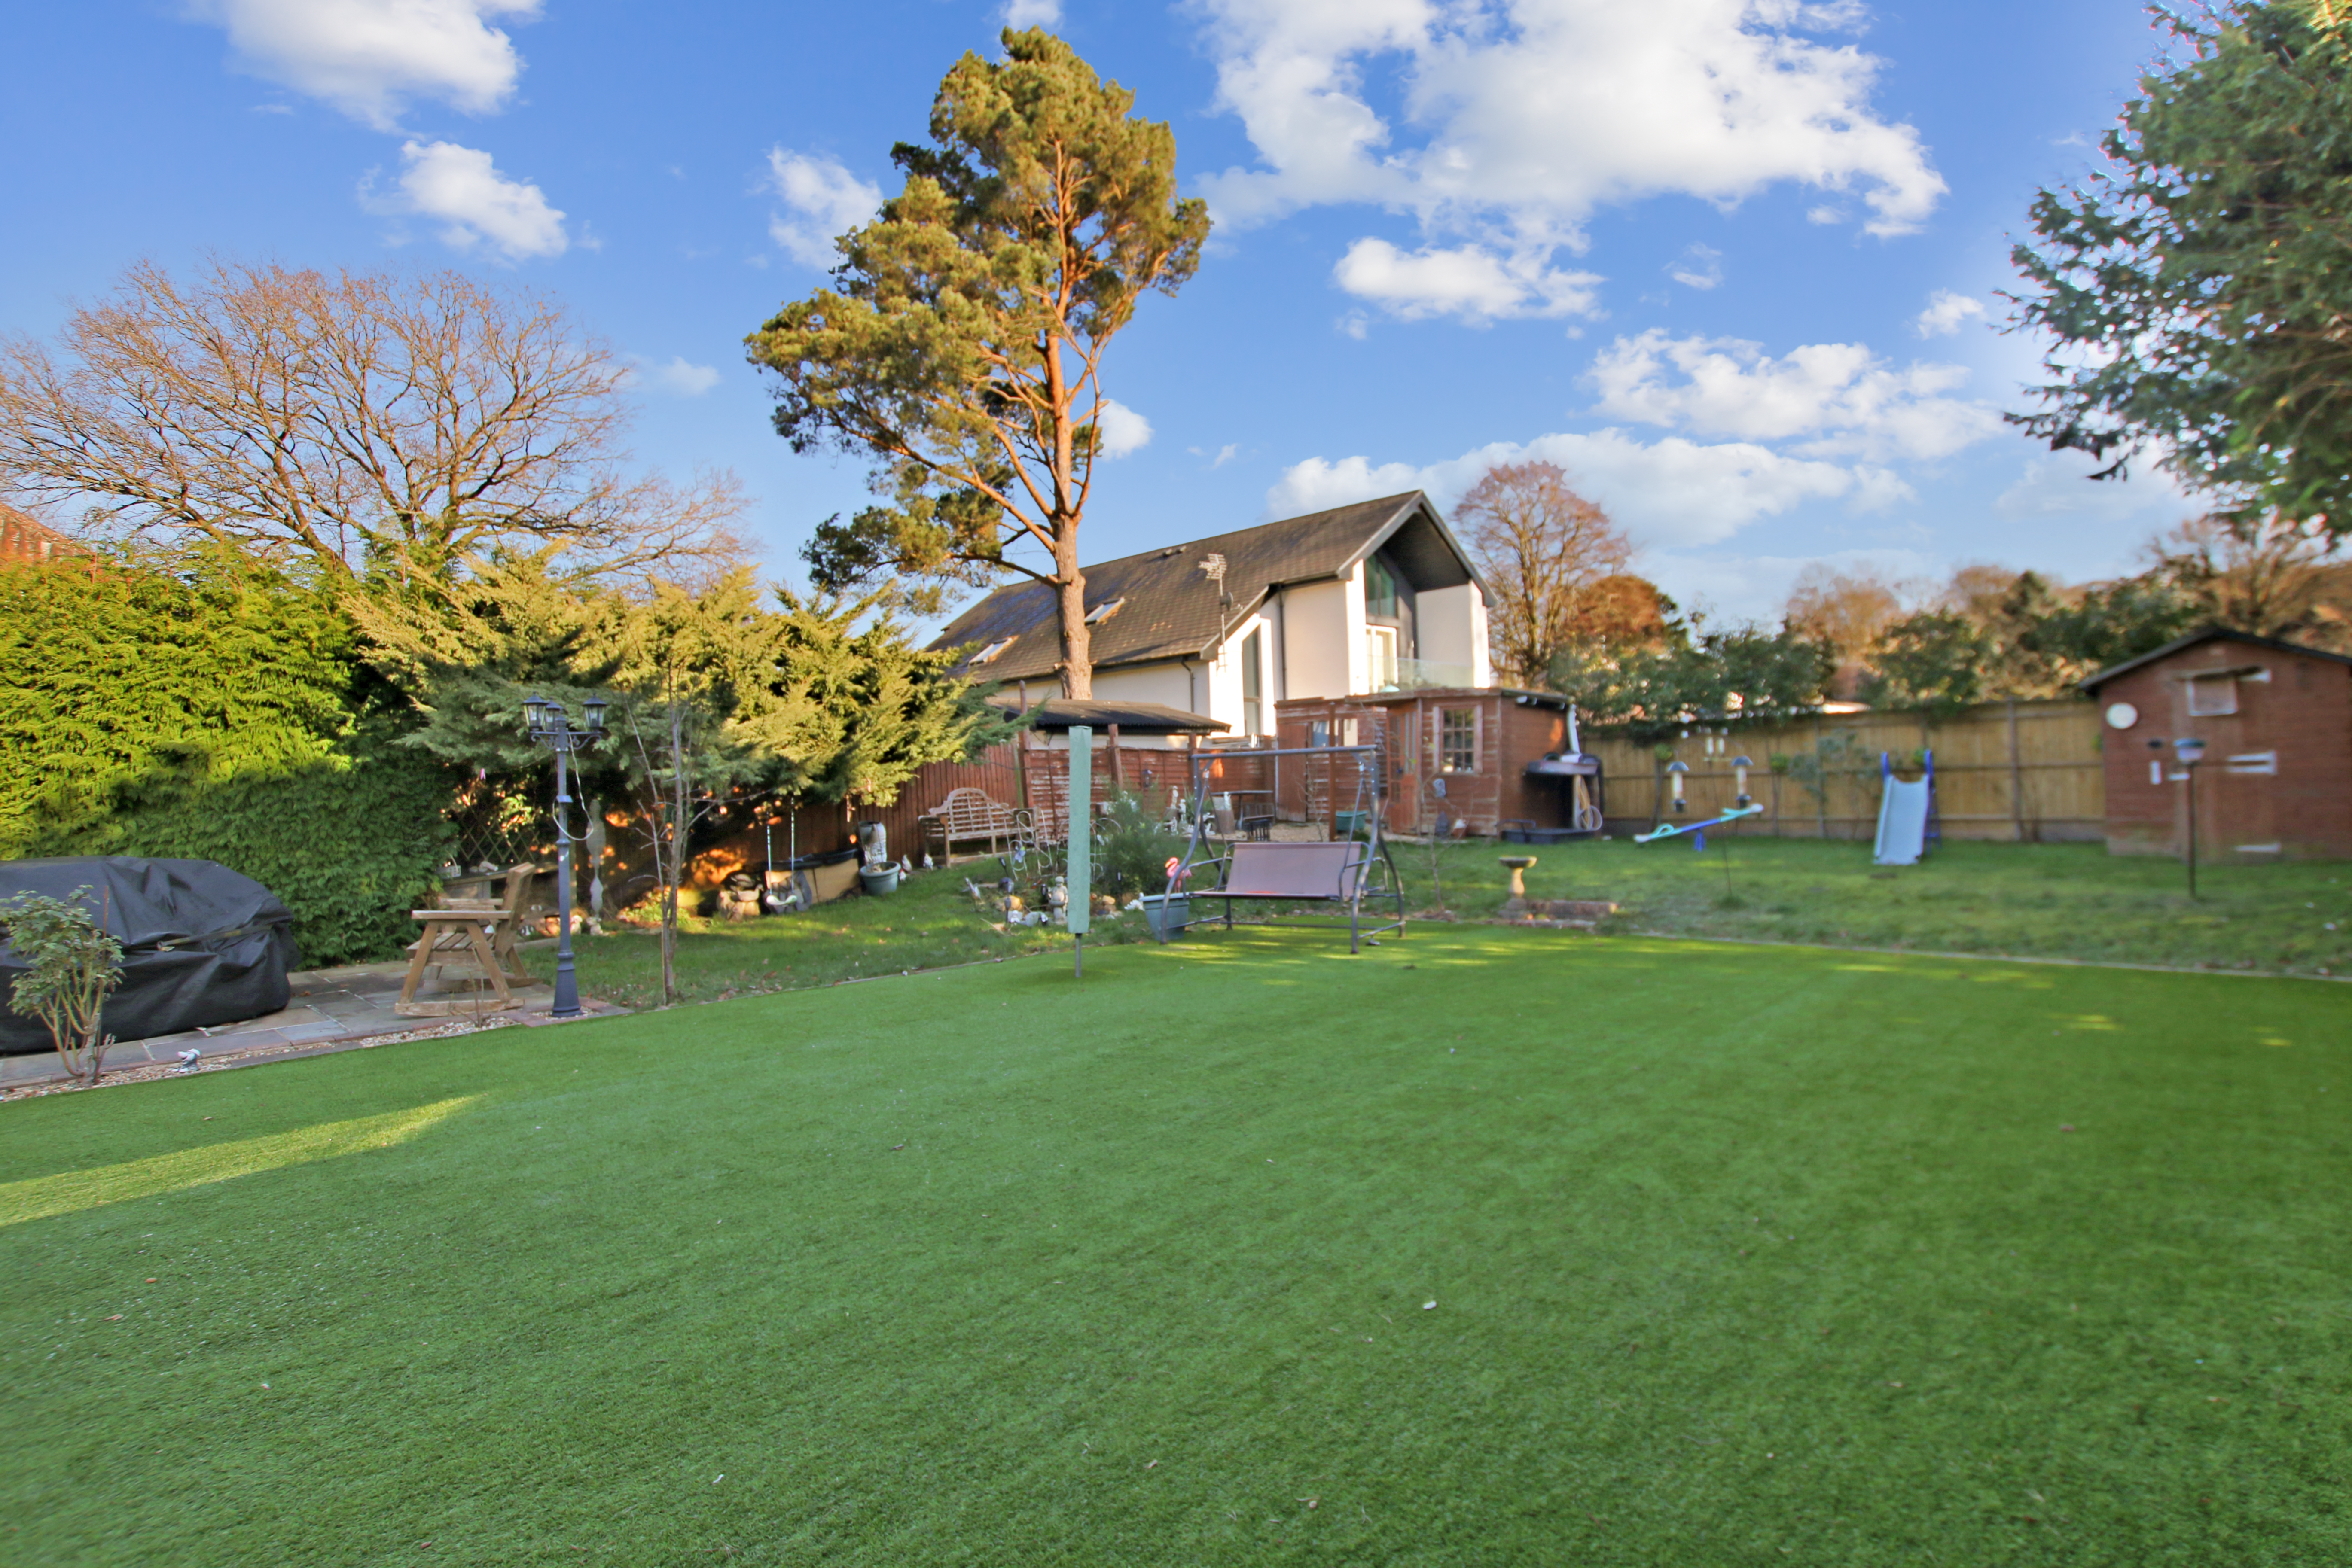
pixel 2121 715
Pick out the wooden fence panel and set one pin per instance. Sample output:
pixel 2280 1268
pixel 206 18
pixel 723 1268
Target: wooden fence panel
pixel 2021 771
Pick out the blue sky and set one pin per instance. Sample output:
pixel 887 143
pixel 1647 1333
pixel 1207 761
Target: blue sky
pixel 1733 263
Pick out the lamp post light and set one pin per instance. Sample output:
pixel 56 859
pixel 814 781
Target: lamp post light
pixel 551 728
pixel 2191 751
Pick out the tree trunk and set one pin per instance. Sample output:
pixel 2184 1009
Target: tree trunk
pixel 1077 637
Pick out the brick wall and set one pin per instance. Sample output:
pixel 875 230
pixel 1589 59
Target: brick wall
pixel 2291 785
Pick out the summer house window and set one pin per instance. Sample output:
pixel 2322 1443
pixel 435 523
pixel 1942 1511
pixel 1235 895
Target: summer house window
pixel 1457 740
pixel 2211 696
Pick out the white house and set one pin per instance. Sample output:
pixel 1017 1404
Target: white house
pixel 1375 597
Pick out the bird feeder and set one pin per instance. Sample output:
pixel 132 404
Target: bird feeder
pixel 1675 771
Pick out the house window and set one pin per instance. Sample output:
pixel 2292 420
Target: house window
pixel 1379 591
pixel 992 650
pixel 1253 685
pixel 1103 612
pixel 1381 657
pixel 2210 696
pixel 1457 740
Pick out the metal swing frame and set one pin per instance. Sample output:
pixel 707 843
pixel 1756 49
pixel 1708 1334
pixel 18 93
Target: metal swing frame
pixel 1364 872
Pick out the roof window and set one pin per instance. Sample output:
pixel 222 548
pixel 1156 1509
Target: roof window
pixel 992 650
pixel 1103 612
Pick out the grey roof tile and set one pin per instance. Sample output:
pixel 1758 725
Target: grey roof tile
pixel 1170 607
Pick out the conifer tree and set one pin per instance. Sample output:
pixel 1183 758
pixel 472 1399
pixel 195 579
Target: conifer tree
pixel 961 347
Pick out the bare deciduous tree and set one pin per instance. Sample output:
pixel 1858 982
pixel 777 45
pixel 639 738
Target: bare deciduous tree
pixel 2270 576
pixel 355 423
pixel 1847 611
pixel 1543 549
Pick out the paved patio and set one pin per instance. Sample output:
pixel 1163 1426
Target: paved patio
pixel 330 1010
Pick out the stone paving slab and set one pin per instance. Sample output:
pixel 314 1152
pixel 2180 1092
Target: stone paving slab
pixel 330 1009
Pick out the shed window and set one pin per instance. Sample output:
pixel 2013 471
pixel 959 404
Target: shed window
pixel 1457 740
pixel 2210 696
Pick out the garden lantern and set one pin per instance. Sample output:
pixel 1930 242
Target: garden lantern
pixel 1739 767
pixel 552 728
pixel 1675 771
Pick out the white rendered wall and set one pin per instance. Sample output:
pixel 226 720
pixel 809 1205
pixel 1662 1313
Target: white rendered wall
pixel 1153 684
pixel 1319 659
pixel 1453 630
pixel 1359 645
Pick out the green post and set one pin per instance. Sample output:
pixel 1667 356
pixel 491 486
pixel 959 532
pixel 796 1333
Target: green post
pixel 1082 810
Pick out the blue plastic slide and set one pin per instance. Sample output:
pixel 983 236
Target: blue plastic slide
pixel 1904 810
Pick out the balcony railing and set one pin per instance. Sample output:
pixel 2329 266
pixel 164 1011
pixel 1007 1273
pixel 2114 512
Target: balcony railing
pixel 1424 674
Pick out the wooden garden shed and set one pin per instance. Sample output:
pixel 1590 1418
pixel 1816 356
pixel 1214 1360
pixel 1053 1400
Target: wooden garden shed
pixel 2276 721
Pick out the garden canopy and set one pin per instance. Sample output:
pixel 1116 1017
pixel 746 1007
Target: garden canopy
pixel 201 944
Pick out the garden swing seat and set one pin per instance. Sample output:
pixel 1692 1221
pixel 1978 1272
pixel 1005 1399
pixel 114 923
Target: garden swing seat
pixel 1356 874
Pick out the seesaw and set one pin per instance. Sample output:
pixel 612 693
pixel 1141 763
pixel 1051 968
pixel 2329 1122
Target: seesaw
pixel 1697 831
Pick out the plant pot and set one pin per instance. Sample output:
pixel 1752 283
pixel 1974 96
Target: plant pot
pixel 1168 915
pixel 878 879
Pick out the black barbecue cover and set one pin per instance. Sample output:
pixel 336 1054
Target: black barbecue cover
pixel 201 944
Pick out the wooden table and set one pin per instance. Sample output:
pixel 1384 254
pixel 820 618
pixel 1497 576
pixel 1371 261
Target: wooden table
pixel 465 933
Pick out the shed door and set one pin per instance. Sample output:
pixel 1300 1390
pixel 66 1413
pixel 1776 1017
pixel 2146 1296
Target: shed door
pixel 2237 810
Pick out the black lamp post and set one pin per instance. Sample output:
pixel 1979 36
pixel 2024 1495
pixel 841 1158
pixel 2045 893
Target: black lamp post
pixel 2191 751
pixel 552 728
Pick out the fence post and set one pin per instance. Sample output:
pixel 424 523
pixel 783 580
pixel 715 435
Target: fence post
pixel 1822 799
pixel 2016 778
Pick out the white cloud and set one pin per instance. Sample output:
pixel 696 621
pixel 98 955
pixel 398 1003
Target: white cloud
pixel 460 188
pixel 1666 494
pixel 1519 119
pixel 1838 395
pixel 825 201
pixel 1700 267
pixel 1033 12
pixel 2060 486
pixel 1226 454
pixel 679 376
pixel 1123 429
pixel 1467 281
pixel 368 56
pixel 1946 312
pixel 1734 588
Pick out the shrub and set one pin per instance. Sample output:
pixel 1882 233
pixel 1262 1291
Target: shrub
pixel 215 712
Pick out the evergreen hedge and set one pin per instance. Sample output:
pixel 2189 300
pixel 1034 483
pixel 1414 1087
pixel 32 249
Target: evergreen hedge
pixel 215 713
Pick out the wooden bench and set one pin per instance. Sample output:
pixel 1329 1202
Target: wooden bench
pixel 968 813
pixel 1344 872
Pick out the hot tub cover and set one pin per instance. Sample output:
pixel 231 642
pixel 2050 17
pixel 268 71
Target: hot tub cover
pixel 201 944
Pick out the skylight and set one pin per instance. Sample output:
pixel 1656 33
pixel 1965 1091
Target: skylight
pixel 1103 612
pixel 992 650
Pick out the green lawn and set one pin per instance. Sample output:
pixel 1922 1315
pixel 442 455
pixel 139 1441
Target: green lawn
pixel 2067 901
pixel 2058 901
pixel 1739 1255
pixel 930 923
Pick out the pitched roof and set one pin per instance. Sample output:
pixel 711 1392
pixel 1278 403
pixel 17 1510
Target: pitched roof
pixel 1132 718
pixel 2204 634
pixel 1168 607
